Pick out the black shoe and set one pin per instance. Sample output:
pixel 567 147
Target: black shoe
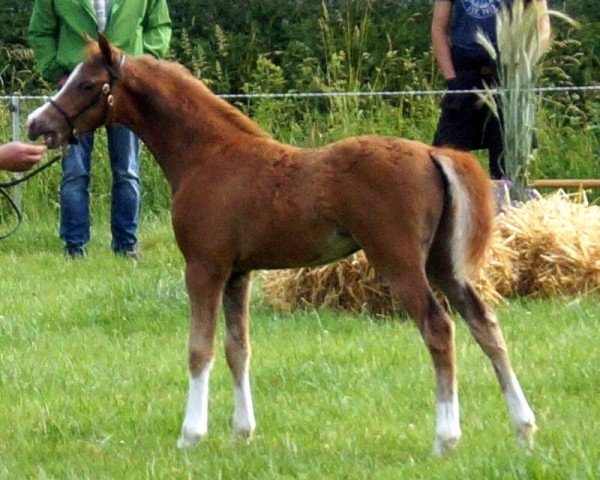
pixel 74 252
pixel 130 252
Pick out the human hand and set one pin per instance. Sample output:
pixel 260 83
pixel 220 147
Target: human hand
pixel 20 156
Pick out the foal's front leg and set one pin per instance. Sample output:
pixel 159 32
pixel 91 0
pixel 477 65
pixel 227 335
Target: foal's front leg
pixel 205 291
pixel 237 350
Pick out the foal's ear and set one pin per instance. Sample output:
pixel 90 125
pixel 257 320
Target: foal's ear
pixel 105 47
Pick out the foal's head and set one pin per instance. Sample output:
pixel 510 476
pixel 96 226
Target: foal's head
pixel 83 103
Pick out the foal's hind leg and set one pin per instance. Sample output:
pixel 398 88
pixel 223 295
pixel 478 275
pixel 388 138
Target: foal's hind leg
pixel 237 351
pixel 437 329
pixel 205 289
pixel 486 330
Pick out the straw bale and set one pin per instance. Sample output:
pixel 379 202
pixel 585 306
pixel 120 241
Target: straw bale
pixel 547 247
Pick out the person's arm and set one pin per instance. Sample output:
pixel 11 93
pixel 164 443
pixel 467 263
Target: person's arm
pixel 43 38
pixel 442 13
pixel 544 26
pixel 157 28
pixel 20 156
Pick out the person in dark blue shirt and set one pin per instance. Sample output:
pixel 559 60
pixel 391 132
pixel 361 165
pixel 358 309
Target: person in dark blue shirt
pixel 465 65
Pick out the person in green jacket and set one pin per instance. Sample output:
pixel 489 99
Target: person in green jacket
pixel 57 35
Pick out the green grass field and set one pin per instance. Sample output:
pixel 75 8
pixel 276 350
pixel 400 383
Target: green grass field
pixel 93 381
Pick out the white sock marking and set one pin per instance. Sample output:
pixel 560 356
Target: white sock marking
pixel 519 410
pixel 447 427
pixel 196 415
pixel 243 414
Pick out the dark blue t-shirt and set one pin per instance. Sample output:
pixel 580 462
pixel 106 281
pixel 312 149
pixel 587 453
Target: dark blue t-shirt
pixel 468 16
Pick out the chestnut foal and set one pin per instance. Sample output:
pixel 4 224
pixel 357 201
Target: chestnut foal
pixel 242 201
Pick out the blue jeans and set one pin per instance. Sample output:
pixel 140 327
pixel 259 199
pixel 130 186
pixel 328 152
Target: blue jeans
pixel 123 151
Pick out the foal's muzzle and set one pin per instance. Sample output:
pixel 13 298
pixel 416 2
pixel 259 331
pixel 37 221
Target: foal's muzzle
pixel 47 127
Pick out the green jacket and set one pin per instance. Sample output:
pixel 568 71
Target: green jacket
pixel 57 26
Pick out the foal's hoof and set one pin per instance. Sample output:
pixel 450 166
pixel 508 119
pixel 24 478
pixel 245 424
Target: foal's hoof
pixel 525 426
pixel 242 435
pixel 443 446
pixel 243 426
pixel 525 432
pixel 189 439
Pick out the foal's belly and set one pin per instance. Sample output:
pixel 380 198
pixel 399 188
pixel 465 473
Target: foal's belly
pixel 301 252
pixel 336 246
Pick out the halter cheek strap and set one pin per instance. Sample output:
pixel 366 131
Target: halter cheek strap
pixel 68 119
pixel 106 90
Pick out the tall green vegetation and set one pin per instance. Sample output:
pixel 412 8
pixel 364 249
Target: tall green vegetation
pixel 515 103
pixel 339 45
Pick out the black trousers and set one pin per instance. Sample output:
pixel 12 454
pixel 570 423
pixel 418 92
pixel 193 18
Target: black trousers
pixel 466 123
pixel 472 128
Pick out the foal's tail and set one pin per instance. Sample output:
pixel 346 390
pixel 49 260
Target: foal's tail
pixel 466 226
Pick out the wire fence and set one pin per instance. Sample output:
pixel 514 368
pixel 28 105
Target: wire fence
pixel 20 105
pixel 385 93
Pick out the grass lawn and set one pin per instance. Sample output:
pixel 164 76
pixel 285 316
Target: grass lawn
pixel 93 381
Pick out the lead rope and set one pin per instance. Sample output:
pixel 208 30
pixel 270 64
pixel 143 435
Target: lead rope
pixel 14 207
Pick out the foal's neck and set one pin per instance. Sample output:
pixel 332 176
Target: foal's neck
pixel 178 118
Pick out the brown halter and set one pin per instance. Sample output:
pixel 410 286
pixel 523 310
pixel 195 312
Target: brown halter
pixel 106 90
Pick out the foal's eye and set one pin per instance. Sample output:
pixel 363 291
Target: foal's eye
pixel 86 86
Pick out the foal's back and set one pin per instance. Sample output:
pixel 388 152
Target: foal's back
pixel 277 206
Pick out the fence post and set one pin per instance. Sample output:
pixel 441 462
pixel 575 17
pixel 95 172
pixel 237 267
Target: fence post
pixel 16 136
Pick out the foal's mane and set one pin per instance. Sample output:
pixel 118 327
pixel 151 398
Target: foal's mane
pixel 174 79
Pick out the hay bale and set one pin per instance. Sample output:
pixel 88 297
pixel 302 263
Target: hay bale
pixel 550 247
pixel 349 285
pixel 547 247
